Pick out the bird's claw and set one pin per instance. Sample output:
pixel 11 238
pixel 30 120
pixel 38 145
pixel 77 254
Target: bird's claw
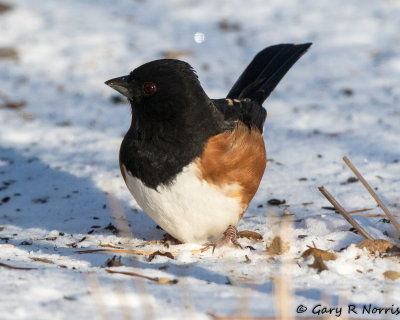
pixel 229 238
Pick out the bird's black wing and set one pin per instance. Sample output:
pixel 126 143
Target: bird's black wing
pixel 265 71
pixel 244 101
pixel 251 113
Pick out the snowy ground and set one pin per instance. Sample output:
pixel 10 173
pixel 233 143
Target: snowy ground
pixel 60 184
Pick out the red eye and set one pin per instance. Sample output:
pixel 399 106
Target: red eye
pixel 149 88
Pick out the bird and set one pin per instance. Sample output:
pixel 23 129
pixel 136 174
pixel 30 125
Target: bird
pixel 193 163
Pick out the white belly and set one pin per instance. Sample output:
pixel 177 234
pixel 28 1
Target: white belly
pixel 189 210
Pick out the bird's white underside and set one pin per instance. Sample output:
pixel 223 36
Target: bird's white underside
pixel 189 209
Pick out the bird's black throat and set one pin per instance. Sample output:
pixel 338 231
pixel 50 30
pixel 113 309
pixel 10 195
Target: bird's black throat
pixel 155 151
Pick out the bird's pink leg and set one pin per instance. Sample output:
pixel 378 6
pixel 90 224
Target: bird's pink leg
pixel 229 238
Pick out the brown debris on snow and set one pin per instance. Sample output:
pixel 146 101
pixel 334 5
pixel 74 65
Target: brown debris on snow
pixel 324 255
pixel 392 275
pixel 379 245
pixel 318 264
pixel 250 235
pixel 278 246
pixel 43 260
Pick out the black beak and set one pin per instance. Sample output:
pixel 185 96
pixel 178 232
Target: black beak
pixel 120 84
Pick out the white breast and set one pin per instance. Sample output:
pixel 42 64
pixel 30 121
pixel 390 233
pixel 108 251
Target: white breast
pixel 189 209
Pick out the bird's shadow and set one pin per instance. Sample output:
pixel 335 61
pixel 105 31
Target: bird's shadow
pixel 39 202
pixel 36 196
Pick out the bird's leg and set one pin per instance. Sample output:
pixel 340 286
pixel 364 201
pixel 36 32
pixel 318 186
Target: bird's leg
pixel 229 238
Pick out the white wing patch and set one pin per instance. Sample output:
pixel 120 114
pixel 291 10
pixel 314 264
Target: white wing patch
pixel 189 209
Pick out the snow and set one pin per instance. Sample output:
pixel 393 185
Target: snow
pixel 59 156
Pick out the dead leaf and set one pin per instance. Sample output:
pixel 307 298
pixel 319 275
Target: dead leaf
pixel 324 255
pixel 328 208
pixel 249 234
pixel 72 244
pixel 14 105
pixel 4 7
pixel 111 228
pixel 2 228
pixel 378 245
pixel 229 26
pixel 40 200
pixel 166 281
pixel 113 262
pixel 26 243
pixel 392 275
pixel 159 253
pixel 26 116
pixel 248 260
pixel 83 239
pixel 107 245
pixel 318 264
pixel 8 53
pixel 352 180
pixel 347 92
pixel 165 267
pixel 276 202
pixel 65 123
pixel 278 246
pixel 44 260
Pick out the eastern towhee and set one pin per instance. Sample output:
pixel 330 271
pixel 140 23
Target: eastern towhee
pixel 192 163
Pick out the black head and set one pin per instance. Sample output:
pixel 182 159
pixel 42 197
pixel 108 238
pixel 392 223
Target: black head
pixel 172 119
pixel 161 89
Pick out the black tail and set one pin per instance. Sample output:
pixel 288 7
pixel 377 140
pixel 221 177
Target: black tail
pixel 266 70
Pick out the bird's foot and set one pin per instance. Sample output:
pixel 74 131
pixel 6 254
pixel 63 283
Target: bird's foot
pixel 167 241
pixel 229 238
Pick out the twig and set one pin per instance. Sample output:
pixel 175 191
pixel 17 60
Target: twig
pixel 373 194
pixel 134 274
pixel 344 213
pixel 371 215
pixel 15 268
pixel 139 252
pixel 314 244
pixel 359 210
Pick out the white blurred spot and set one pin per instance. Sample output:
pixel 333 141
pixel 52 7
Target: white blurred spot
pixel 199 37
